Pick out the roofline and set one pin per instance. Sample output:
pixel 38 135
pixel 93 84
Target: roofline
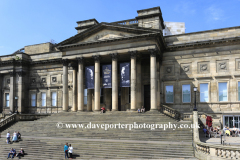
pixel 149 9
pixel 93 19
pixel 213 30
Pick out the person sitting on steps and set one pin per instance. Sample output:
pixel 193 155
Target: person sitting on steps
pixel 18 135
pixel 13 152
pixel 142 109
pixel 21 153
pixel 103 110
pixel 14 139
pixel 139 111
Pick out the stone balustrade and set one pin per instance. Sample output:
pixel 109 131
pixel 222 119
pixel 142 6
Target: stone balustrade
pixel 206 151
pixel 8 120
pixel 171 112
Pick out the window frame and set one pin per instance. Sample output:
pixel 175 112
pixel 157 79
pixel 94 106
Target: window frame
pixel 190 92
pixel 35 105
pixel 207 91
pixel 42 99
pixel 238 91
pixel 52 98
pixel 218 90
pixel 166 94
pixel 7 100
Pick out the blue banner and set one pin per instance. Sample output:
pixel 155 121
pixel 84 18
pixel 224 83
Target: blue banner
pixel 125 74
pixel 107 76
pixel 89 77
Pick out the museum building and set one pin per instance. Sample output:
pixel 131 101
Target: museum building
pixel 125 65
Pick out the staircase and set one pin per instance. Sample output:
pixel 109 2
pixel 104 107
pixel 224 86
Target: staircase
pixel 44 139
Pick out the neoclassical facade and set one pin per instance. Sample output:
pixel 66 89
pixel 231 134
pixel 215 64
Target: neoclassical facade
pixel 125 65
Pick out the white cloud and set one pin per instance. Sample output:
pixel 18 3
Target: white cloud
pixel 185 7
pixel 214 14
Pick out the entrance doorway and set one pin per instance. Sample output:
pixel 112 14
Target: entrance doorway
pixel 147 97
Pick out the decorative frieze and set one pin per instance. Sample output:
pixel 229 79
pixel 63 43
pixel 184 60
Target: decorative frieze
pixel 54 79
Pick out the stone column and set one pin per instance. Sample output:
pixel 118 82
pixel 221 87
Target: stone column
pixel 74 91
pixel 20 92
pixel 89 99
pixel 114 83
pixel 133 80
pixel 65 86
pixel 153 80
pixel 1 94
pixel 80 85
pixel 139 83
pixel 97 84
pixel 12 91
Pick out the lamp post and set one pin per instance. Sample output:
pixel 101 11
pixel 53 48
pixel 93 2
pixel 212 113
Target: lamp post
pixel 195 103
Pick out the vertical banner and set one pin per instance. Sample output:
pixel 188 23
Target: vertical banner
pixel 89 77
pixel 107 76
pixel 125 74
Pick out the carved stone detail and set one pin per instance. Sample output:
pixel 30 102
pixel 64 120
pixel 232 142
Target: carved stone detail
pixel 96 58
pixel 133 54
pixel 20 73
pixel 33 80
pixel 114 56
pixel 169 70
pixel 153 52
pixel 44 80
pixel 12 73
pixel 80 60
pixel 186 68
pixel 8 81
pixel 65 62
pixel 54 79
pixel 222 66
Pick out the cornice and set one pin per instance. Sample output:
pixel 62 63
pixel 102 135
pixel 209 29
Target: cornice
pixel 195 44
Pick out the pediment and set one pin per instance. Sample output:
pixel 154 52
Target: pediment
pixel 106 34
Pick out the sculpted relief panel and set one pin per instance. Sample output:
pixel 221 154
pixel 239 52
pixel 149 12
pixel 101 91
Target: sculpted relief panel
pixel 186 68
pixel 222 66
pixel 169 70
pixel 203 67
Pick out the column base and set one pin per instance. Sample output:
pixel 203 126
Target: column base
pixel 153 111
pixel 132 110
pixel 89 111
pixel 114 110
pixel 80 111
pixel 64 110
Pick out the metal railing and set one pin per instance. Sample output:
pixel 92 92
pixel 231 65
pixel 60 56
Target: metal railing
pixel 171 112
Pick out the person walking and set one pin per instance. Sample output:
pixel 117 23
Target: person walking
pixel 8 138
pixel 66 150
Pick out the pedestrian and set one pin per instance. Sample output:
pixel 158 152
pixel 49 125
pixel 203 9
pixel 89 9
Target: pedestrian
pixel 8 137
pixel 70 151
pixel 66 150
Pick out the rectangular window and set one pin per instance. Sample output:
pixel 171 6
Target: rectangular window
pixel 239 91
pixel 85 96
pixel 54 99
pixel 222 91
pixel 43 99
pixel 204 92
pixel 169 94
pixel 33 100
pixel 186 93
pixel 7 99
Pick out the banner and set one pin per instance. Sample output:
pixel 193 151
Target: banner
pixel 89 77
pixel 125 74
pixel 107 76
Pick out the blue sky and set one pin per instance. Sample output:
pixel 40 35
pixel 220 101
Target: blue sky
pixel 27 22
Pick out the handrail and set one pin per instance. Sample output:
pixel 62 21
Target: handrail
pixel 9 119
pixel 171 112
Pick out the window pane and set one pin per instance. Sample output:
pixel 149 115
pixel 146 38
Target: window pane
pixel 54 99
pixel 85 92
pixel 7 96
pixel 85 100
pixel 43 99
pixel 186 93
pixel 204 92
pixel 169 94
pixel 236 122
pixel 222 91
pixel 7 103
pixel 33 100
pixel 230 122
pixel 226 121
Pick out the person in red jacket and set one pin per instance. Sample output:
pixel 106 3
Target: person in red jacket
pixel 209 121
